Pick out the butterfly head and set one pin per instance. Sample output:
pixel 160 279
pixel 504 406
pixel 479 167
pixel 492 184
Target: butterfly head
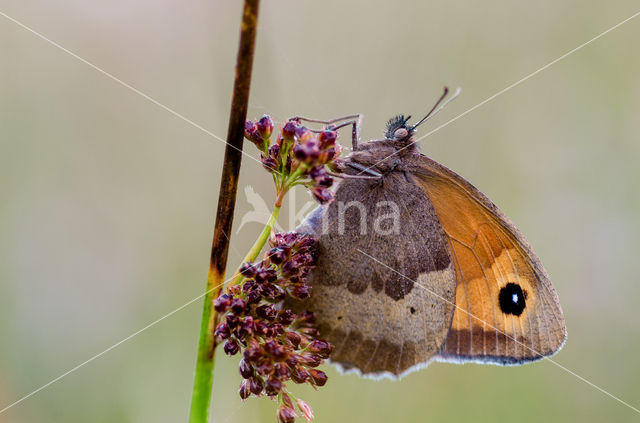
pixel 398 129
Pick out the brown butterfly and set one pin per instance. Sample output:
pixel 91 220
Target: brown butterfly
pixel 416 264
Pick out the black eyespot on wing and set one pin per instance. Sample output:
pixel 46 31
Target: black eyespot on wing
pixel 412 310
pixel 512 299
pixel 394 124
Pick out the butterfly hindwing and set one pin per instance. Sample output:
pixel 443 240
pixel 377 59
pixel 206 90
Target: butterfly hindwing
pixel 373 287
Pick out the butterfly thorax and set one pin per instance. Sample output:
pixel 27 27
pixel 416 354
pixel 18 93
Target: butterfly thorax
pixel 392 153
pixel 384 156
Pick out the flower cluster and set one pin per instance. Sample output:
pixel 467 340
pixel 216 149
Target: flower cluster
pixel 299 155
pixel 277 344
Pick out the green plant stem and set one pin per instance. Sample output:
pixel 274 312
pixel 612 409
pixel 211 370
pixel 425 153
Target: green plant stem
pixel 252 255
pixel 206 349
pixel 203 378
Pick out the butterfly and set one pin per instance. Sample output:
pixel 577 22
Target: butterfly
pixel 415 264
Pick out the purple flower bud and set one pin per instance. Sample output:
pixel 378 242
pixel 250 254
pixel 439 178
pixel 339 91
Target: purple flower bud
pixel 321 347
pixel 321 195
pixel 275 349
pixel 328 138
pixel 274 151
pixel 269 163
pixel 281 371
pixel 244 390
pixel 304 135
pixel 231 347
pixel 286 414
pixel 317 172
pixel 278 255
pixel 286 400
pixel 256 385
pixel 267 312
pixel 251 133
pixel 324 182
pixel 327 155
pixel 300 152
pixel 248 285
pixel 264 126
pixel 305 242
pixel 248 324
pixel 293 338
pixel 277 329
pixel 290 268
pixel 286 317
pixel 273 386
pixel 248 270
pixel 310 258
pixel 307 152
pixel 240 334
pixel 291 237
pixel 277 294
pixel 289 130
pixel 301 260
pixel 252 354
pixel 266 275
pixel 238 306
pixel 232 321
pixel 249 127
pixel 306 411
pixel 318 376
pixel 300 292
pixel 253 296
pixel 292 360
pixel 222 331
pixel 299 374
pixel 310 359
pixel 294 279
pixel 246 371
pixel 276 240
pixel 234 290
pixel 262 328
pixel 265 368
pixel 266 290
pixel 221 304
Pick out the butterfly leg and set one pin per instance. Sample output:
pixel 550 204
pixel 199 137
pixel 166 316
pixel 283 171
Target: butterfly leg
pixel 364 169
pixel 347 176
pixel 354 120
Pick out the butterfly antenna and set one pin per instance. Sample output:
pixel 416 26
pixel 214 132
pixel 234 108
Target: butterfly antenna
pixel 435 109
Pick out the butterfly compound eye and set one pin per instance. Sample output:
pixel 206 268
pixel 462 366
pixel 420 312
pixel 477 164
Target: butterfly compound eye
pixel 512 299
pixel 400 133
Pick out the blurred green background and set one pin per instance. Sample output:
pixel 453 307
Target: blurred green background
pixel 107 201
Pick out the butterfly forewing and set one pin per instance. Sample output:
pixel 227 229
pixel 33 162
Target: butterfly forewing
pixel 506 309
pixel 384 298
